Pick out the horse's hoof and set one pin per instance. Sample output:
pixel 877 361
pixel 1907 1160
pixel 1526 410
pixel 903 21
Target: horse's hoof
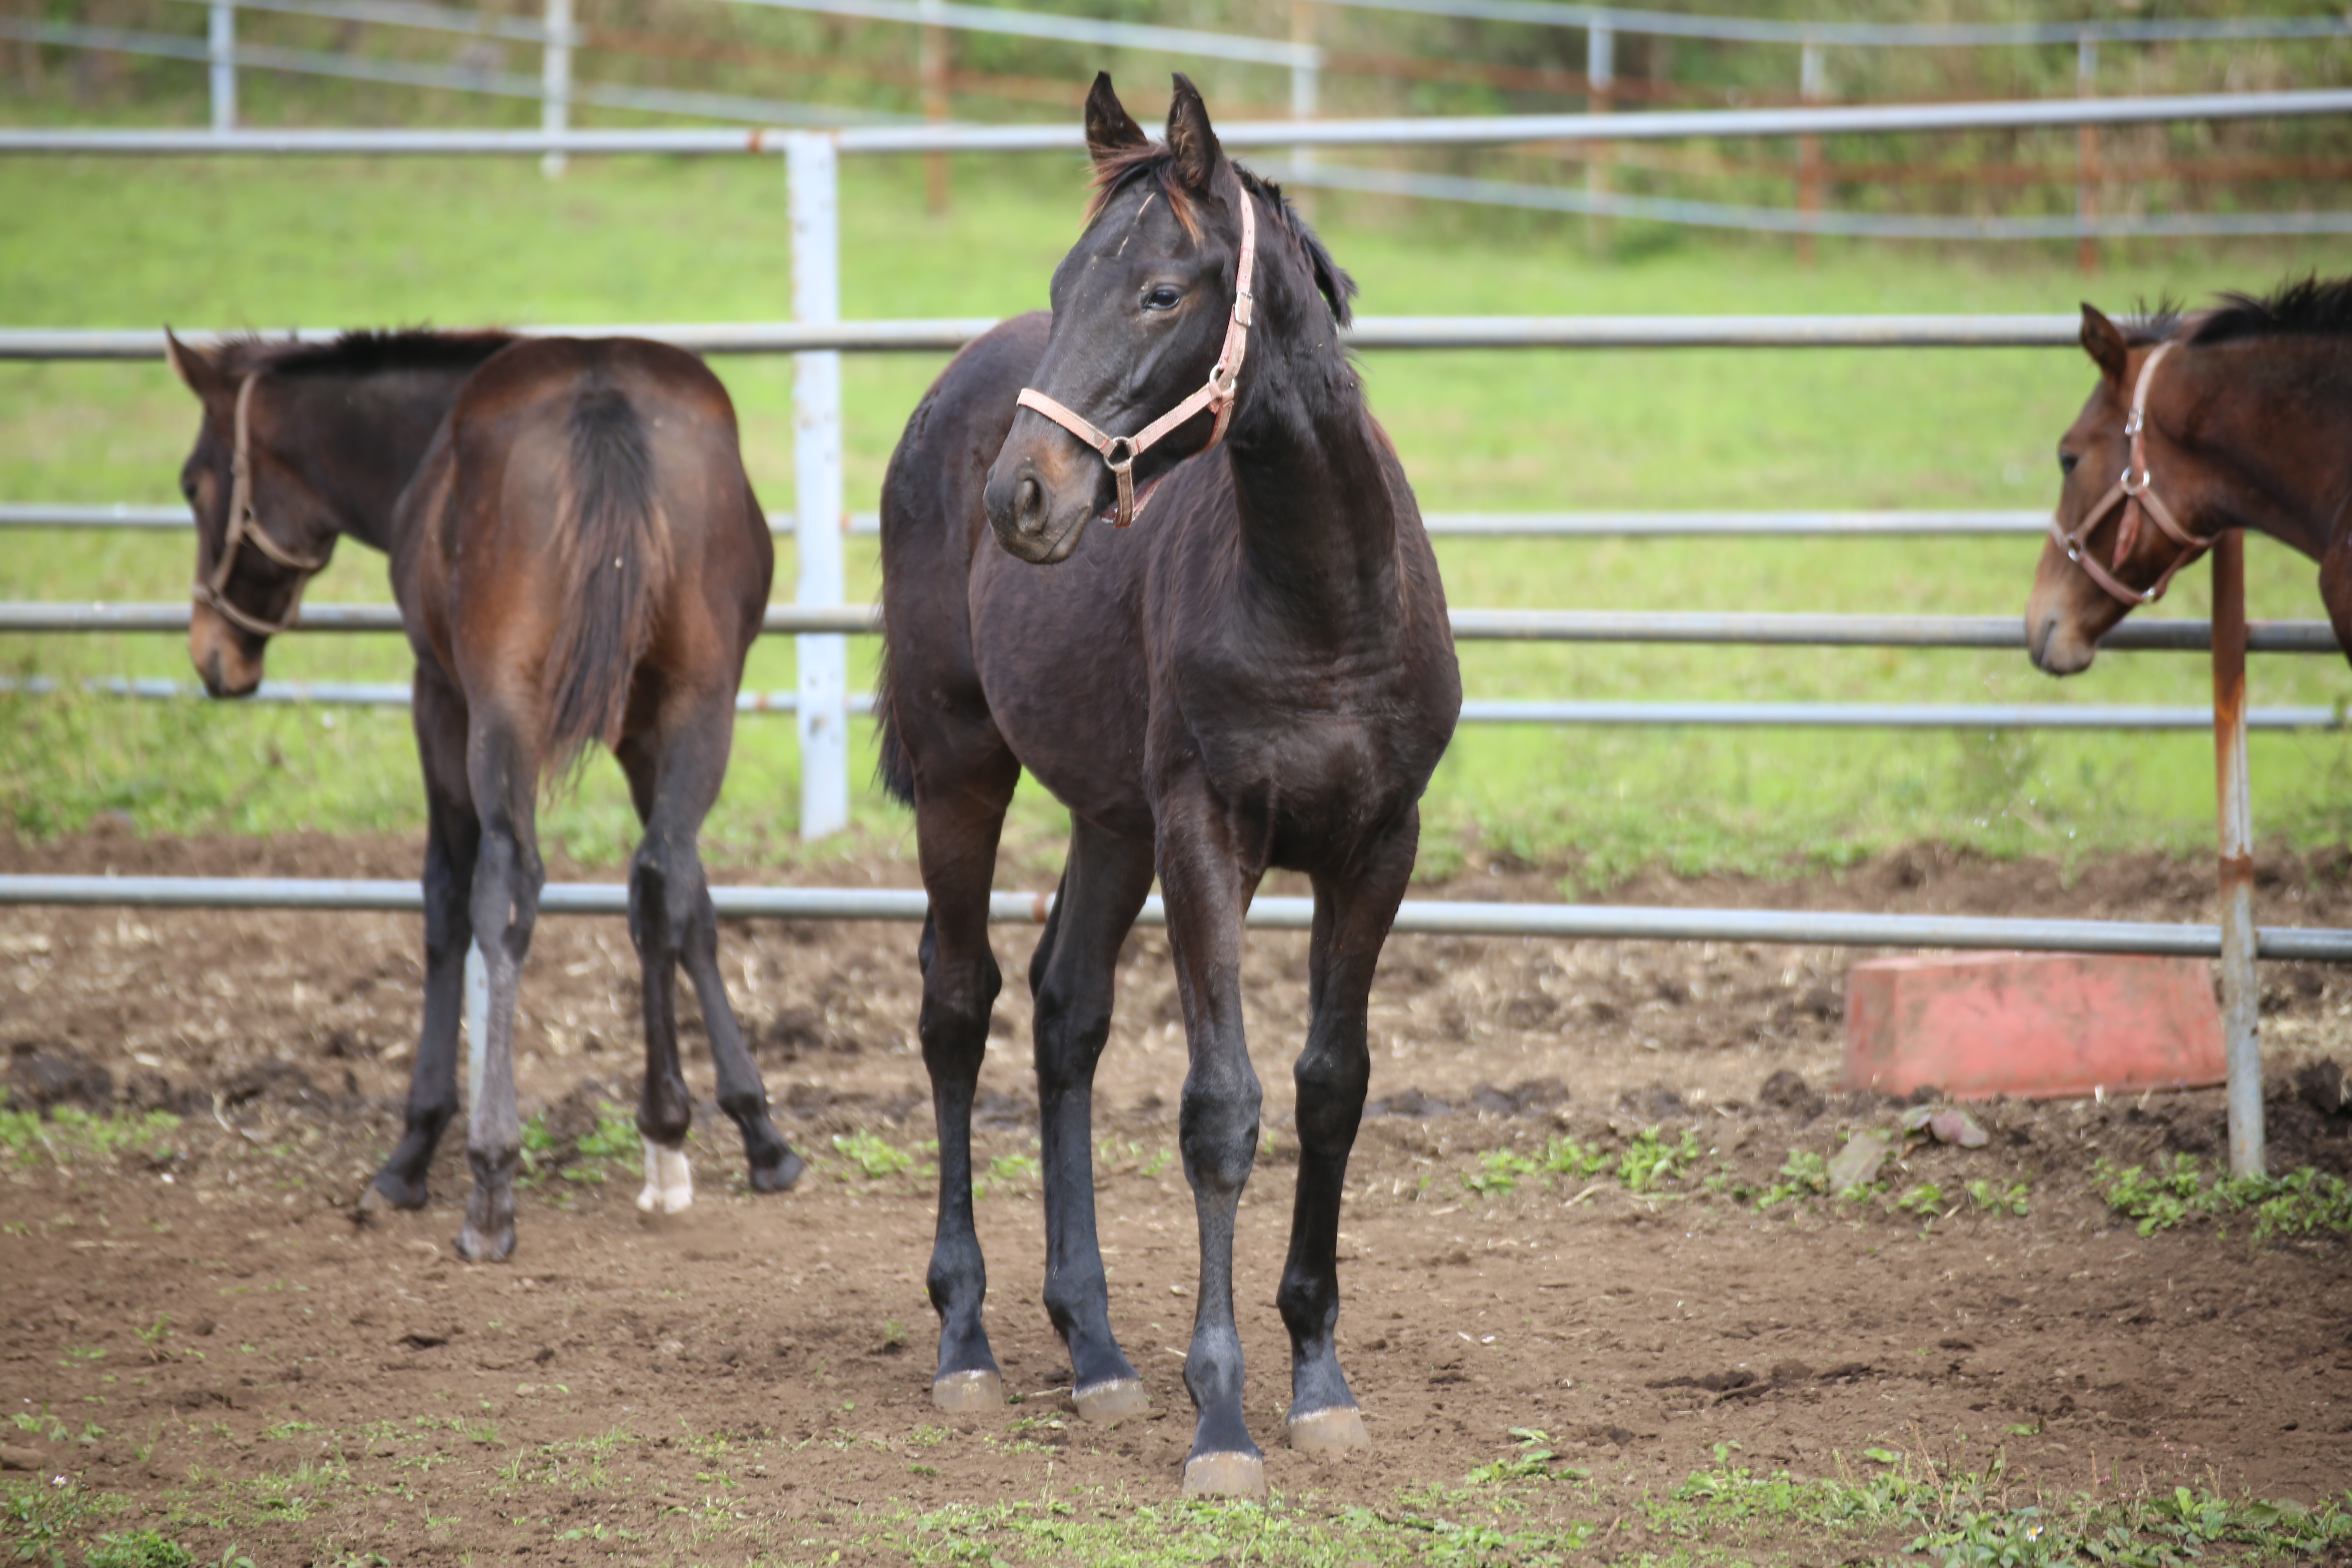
pixel 387 1192
pixel 1332 1431
pixel 1225 1475
pixel 967 1393
pixel 1113 1400
pixel 669 1180
pixel 779 1177
pixel 496 1248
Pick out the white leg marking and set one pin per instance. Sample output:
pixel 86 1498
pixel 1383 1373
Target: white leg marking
pixel 669 1180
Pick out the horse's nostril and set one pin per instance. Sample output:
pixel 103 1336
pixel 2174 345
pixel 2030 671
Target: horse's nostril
pixel 1031 508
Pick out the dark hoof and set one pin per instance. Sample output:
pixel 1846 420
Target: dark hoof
pixel 1333 1431
pixel 389 1191
pixel 497 1247
pixel 967 1393
pixel 1114 1400
pixel 1225 1475
pixel 779 1177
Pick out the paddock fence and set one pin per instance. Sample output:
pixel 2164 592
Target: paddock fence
pixel 820 622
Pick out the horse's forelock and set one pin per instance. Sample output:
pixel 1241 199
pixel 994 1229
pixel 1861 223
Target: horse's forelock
pixel 1116 170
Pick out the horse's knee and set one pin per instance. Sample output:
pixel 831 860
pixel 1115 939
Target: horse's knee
pixel 1069 1038
pixel 957 1000
pixel 1217 1131
pixel 1331 1088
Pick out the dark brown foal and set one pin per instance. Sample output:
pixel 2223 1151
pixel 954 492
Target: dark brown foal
pixel 1257 673
pixel 578 558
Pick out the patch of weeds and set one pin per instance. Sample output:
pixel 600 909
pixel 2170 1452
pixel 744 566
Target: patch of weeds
pixel 613 1139
pixel 1008 1170
pixel 69 1135
pixel 1992 1197
pixel 1534 1462
pixel 1803 1175
pixel 1499 1172
pixel 1926 1199
pixel 1564 1156
pixel 1650 1161
pixel 285 1430
pixel 1156 1163
pixel 138 1548
pixel 2297 1204
pixel 39 1521
pixel 41 1423
pixel 874 1158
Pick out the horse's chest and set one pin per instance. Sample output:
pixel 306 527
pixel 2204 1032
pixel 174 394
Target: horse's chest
pixel 1319 753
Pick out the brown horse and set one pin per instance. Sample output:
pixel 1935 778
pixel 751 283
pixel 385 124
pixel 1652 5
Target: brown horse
pixel 578 557
pixel 1259 674
pixel 2238 417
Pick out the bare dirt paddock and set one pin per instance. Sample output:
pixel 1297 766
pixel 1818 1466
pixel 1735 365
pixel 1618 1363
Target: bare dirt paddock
pixel 199 1339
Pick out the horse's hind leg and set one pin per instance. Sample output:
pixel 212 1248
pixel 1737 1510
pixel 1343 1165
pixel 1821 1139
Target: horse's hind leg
pixel 673 922
pixel 507 877
pixel 956 824
pixel 1352 916
pixel 453 835
pixel 1072 979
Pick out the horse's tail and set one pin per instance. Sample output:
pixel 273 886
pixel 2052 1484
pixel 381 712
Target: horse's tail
pixel 892 765
pixel 616 548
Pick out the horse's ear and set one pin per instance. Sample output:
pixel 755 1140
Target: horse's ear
pixel 1190 138
pixel 196 368
pixel 1111 128
pixel 2104 341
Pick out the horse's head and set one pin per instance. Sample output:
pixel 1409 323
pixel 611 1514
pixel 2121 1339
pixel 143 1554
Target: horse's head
pixel 2128 507
pixel 262 531
pixel 1149 307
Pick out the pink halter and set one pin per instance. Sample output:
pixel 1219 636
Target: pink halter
pixel 2137 494
pixel 1119 452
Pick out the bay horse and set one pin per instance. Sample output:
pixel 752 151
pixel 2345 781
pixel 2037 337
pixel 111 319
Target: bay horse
pixel 1259 674
pixel 578 557
pixel 2235 417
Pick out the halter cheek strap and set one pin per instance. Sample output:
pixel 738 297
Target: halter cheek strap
pixel 244 528
pixel 2134 491
pixel 1119 452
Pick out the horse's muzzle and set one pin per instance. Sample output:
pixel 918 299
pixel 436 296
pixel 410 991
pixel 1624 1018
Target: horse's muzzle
pixel 227 665
pixel 1039 515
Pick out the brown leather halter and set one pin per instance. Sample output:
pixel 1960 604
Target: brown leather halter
pixel 1119 452
pixel 245 528
pixel 2134 491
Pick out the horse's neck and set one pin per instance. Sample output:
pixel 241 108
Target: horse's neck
pixel 365 436
pixel 2274 414
pixel 1319 512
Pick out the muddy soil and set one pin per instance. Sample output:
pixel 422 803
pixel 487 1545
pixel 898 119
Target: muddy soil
pixel 753 1377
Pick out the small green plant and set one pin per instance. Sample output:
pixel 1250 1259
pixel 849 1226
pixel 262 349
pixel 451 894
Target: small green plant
pixel 1009 1169
pixel 1499 1174
pixel 1926 1199
pixel 874 1158
pixel 1992 1197
pixel 1535 1461
pixel 138 1548
pixel 1564 1156
pixel 1650 1161
pixel 2296 1204
pixel 1803 1175
pixel 70 1133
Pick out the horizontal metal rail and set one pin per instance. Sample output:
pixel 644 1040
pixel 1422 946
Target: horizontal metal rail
pixel 1434 130
pixel 1562 922
pixel 1917 35
pixel 1477 710
pixel 958 18
pixel 1474 524
pixel 947 335
pixel 1469 625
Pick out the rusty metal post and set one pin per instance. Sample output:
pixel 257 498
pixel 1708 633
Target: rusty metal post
pixel 2086 160
pixel 1812 85
pixel 2240 1025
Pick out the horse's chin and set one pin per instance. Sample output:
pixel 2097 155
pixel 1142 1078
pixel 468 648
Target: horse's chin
pixel 2058 649
pixel 1049 547
pixel 223 662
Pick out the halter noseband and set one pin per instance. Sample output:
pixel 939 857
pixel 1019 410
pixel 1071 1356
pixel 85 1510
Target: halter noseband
pixel 245 528
pixel 1119 452
pixel 2136 492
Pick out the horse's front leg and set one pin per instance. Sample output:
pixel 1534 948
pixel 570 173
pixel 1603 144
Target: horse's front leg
pixel 1072 979
pixel 1208 888
pixel 1352 916
pixel 507 877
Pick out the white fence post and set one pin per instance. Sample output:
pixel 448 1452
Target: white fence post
pixel 555 82
pixel 1600 79
pixel 220 41
pixel 1305 77
pixel 812 167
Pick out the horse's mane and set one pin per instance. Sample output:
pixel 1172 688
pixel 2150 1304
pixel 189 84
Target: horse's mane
pixel 2152 324
pixel 2305 305
pixel 1156 162
pixel 364 353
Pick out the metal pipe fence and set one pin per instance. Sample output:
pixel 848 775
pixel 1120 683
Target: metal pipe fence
pixel 1268 912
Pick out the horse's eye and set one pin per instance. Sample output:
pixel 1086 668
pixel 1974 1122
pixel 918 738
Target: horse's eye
pixel 2066 461
pixel 188 488
pixel 1166 296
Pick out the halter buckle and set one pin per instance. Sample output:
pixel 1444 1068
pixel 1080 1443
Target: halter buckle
pixel 1120 454
pixel 2132 486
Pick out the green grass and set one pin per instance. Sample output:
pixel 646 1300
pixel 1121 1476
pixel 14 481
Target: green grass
pixel 274 243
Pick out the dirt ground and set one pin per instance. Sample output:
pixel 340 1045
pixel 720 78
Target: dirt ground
pixel 751 1380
